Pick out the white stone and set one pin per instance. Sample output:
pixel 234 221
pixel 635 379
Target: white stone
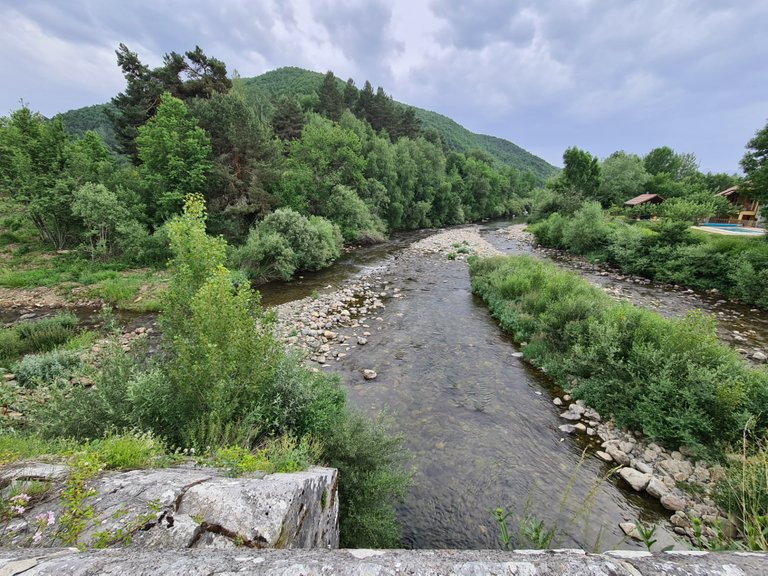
pixel 637 480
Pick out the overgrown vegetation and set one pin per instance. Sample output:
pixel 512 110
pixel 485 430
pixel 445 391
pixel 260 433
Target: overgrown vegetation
pixel 34 336
pixel 668 378
pixel 223 385
pixel 664 250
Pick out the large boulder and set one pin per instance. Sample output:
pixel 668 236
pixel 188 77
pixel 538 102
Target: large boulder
pixel 181 507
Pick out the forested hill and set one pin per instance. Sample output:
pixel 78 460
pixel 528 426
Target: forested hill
pixel 299 82
pixel 304 84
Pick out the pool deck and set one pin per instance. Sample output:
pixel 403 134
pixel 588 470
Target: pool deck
pixel 731 230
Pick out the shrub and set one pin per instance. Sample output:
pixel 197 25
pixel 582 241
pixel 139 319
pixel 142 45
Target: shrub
pixel 286 241
pixel 127 451
pixel 588 231
pixel 353 216
pixel 549 233
pixel 45 334
pixel 47 369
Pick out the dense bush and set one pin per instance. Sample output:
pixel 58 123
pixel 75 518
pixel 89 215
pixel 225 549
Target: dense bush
pixel 36 336
pixel 47 368
pixel 669 378
pixel 286 241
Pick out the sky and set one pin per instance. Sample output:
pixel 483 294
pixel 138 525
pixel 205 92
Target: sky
pixel 603 75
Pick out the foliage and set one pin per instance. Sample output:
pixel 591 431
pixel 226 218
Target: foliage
pixel 623 176
pixel 755 165
pixel 581 172
pixel 36 336
pixel 670 379
pixel 744 491
pixel 666 251
pixel 192 75
pixel 286 241
pixel 47 368
pixel 174 152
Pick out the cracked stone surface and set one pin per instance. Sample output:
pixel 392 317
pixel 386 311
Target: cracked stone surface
pixel 184 507
pixel 348 562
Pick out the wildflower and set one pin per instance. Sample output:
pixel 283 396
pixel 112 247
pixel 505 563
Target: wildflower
pixel 37 537
pixel 23 497
pixel 51 518
pixel 19 509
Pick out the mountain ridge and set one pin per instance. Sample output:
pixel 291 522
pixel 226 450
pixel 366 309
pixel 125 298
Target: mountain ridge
pixel 304 84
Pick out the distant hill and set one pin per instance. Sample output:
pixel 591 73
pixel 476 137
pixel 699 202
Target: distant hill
pixel 78 122
pixel 300 82
pixel 304 84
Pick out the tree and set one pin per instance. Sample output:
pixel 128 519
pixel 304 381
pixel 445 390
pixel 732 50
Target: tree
pixel 33 161
pixel 174 153
pixel 350 94
pixel 193 75
pixel 330 104
pixel 623 177
pixel 245 161
pixel 755 165
pixel 288 119
pixel 581 171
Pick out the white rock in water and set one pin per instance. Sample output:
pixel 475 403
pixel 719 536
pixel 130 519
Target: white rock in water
pixel 557 402
pixel 634 478
pixel 369 374
pixel 567 428
pixel 604 456
pixel 759 356
pixel 630 529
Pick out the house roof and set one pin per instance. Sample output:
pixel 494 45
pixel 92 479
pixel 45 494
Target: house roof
pixel 728 191
pixel 643 198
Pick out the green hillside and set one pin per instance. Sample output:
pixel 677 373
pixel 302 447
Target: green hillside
pixel 503 151
pixel 300 82
pixel 305 83
pixel 78 122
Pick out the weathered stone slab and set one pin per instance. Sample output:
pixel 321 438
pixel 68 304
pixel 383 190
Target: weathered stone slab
pixel 395 562
pixel 186 507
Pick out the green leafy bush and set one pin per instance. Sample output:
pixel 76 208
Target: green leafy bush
pixel 588 231
pixel 286 241
pixel 669 378
pixel 48 368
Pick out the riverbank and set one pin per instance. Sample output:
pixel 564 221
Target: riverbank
pixel 742 327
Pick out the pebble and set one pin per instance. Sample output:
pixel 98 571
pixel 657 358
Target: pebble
pixel 369 374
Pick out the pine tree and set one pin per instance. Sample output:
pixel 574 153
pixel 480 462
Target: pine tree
pixel 331 104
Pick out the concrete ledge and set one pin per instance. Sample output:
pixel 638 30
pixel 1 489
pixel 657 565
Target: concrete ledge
pixel 374 562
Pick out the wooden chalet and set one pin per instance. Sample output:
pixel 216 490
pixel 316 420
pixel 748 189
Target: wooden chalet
pixel 747 208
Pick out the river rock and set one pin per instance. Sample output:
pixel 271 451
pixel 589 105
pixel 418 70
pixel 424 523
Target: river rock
pixel 581 427
pixel 557 402
pixel 759 356
pixel 570 415
pixel 641 466
pixel 362 341
pixel 516 354
pixel 656 488
pixel 615 453
pixel 630 529
pixel 672 502
pixel 369 374
pixel 604 456
pixel 567 428
pixel 635 478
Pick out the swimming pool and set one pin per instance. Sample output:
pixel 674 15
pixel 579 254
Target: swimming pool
pixel 729 229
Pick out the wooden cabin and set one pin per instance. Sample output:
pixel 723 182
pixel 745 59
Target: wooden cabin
pixel 747 208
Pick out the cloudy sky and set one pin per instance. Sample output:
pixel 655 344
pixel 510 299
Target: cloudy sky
pixel 603 75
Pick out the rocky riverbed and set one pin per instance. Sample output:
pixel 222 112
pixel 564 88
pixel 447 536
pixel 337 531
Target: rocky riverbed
pixel 327 327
